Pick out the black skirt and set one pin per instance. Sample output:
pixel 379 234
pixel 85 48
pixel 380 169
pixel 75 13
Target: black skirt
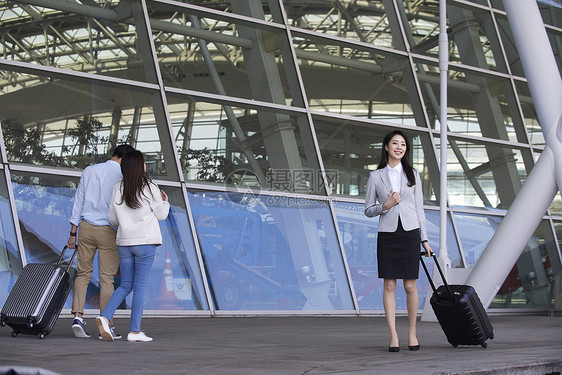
pixel 398 253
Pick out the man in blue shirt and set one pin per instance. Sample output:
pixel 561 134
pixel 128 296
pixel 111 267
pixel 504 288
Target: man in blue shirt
pixel 91 203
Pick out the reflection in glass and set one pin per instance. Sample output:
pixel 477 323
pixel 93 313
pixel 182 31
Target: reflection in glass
pixel 74 124
pixel 363 83
pixel 484 175
pixel 453 251
pixel 478 105
pixel 220 57
pixel 475 231
pixel 245 147
pixel 270 252
pixel 44 206
pixel 359 235
pixel 175 281
pixel 333 19
pixel 10 262
pixel 86 44
pixel 558 230
pixel 531 282
pixel 351 150
pixel 530 114
pixel 551 14
pixel 472 37
pixel 267 10
pixel 556 205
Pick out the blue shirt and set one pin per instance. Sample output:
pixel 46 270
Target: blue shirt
pixel 91 201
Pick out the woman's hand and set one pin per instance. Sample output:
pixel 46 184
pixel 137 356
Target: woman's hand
pixel 393 199
pixel 163 195
pixel 427 248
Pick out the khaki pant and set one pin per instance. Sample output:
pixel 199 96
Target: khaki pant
pixel 90 239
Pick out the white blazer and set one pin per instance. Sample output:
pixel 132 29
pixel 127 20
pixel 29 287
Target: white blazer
pixel 409 209
pixel 138 226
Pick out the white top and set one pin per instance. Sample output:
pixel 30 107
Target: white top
pixel 91 200
pixel 395 175
pixel 138 226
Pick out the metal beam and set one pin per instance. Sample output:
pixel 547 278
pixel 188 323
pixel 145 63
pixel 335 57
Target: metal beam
pixel 76 8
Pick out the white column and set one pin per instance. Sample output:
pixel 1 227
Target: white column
pixel 519 224
pixel 443 257
pixel 539 190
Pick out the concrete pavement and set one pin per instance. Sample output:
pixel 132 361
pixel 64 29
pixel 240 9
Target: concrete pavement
pixel 523 344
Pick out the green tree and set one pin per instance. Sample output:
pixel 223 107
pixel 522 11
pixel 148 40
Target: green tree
pixel 210 166
pixel 25 146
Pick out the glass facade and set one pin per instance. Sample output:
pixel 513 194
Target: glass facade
pixel 261 120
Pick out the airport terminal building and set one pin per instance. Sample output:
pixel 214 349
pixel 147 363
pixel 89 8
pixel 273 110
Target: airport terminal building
pixel 261 119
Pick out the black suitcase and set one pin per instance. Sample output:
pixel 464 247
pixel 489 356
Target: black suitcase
pixel 459 312
pixel 36 300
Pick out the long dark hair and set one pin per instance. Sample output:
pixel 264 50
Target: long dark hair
pixel 134 178
pixel 405 159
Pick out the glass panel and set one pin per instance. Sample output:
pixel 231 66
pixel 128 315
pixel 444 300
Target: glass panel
pixel 484 175
pixel 531 283
pixel 175 281
pixel 453 250
pixel 556 41
pixel 530 114
pixel 245 147
pixel 370 24
pixel 475 231
pixel 44 206
pixel 472 35
pixel 497 4
pixel 10 262
pixel 359 235
pixel 74 124
pixel 267 10
pixel 351 150
pixel 551 12
pixel 362 83
pixel 558 230
pixel 477 104
pixel 270 253
pixel 508 41
pixel 556 205
pixel 58 39
pixel 226 58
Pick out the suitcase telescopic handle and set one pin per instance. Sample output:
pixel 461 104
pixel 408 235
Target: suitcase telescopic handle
pixel 440 273
pixel 71 258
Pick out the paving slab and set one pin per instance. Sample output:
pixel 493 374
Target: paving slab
pixel 523 344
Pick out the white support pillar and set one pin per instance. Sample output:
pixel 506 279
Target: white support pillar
pixel 539 190
pixel 511 237
pixel 443 256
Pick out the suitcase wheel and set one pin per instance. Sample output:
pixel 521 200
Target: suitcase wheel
pixel 492 336
pixel 29 325
pixel 41 335
pixel 3 323
pixel 484 345
pixel 14 333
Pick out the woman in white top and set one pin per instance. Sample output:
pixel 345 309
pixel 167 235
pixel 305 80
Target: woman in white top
pixel 136 206
pixel 394 194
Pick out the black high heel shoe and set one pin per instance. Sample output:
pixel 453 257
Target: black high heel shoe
pixel 414 347
pixel 394 349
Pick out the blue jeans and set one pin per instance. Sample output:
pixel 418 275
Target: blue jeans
pixel 135 263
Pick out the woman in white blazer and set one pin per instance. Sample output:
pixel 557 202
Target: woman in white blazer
pixel 394 194
pixel 136 206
